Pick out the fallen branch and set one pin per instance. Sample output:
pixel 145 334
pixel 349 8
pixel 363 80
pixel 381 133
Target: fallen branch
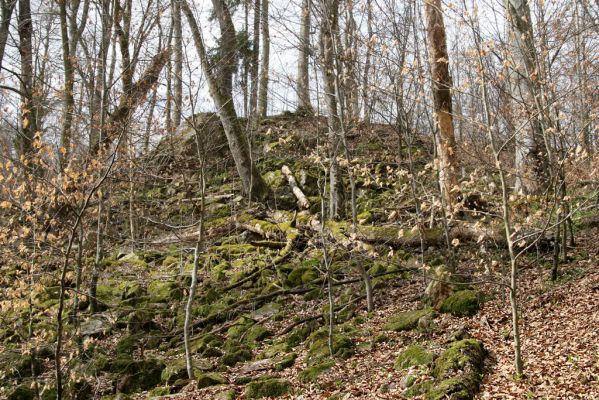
pixel 297 192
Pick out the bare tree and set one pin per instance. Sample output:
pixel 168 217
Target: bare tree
pixel 531 155
pixel 328 27
pixel 441 81
pixel 265 65
pixel 220 90
pixel 303 79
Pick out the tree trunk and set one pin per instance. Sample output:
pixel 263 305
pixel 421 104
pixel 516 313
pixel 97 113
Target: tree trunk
pixel 254 61
pixel 439 59
pixel 329 24
pixel 251 180
pixel 303 80
pixel 178 52
pixel 530 157
pixel 265 65
pixel 29 110
pixel 6 13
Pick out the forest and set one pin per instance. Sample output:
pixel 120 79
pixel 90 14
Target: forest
pixel 299 199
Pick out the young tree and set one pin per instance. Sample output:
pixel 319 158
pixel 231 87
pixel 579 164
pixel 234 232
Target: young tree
pixel 442 84
pixel 329 26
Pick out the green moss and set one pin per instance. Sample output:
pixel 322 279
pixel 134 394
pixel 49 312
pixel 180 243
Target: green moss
pixel 22 392
pixel 135 375
pixel 286 362
pixel 413 356
pixel 407 320
pixel 274 179
pixel 453 388
pixel 301 275
pixel 173 371
pixel 234 249
pixel 343 346
pixel 127 344
pixel 418 389
pixel 164 291
pixel 458 356
pixel 210 379
pixel 365 217
pixel 462 303
pixel 159 392
pixel 312 373
pixel 257 333
pixel 170 261
pixel 298 336
pixel 16 365
pixel 267 388
pixel 232 358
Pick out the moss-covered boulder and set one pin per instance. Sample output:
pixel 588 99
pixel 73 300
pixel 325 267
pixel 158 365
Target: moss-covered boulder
pixel 236 356
pixel 134 375
pixel 462 303
pixel 267 388
pixel 127 344
pixel 256 334
pixel 285 361
pixel 311 374
pixel 458 371
pixel 343 346
pixel 140 320
pixel 15 365
pixel 164 291
pixel 413 356
pixel 96 326
pixel 406 320
pixel 210 379
pixel 22 392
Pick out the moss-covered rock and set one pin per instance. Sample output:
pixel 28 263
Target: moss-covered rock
pixel 462 303
pixel 406 320
pixel 458 371
pixel 140 320
pixel 413 356
pixel 236 356
pixel 285 362
pixel 343 346
pixel 15 365
pixel 159 392
pixel 300 275
pixel 312 373
pixel 127 344
pixel 267 388
pixel 22 392
pixel 210 379
pixel 257 333
pixel 164 291
pixel 134 375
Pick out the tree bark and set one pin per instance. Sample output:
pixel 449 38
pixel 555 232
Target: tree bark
pixel 265 65
pixel 29 110
pixel 439 59
pixel 7 7
pixel 303 79
pixel 530 158
pixel 253 184
pixel 329 25
pixel 178 53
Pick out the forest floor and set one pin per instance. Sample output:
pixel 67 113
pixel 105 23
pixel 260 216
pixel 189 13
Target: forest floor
pixel 560 339
pixel 261 309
